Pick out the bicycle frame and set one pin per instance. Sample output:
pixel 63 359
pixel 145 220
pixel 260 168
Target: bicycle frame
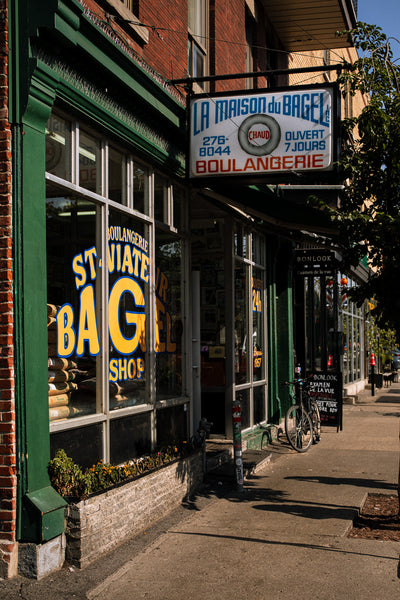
pixel 302 420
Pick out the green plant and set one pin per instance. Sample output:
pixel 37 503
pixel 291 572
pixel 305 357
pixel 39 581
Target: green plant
pixel 72 482
pixel 67 477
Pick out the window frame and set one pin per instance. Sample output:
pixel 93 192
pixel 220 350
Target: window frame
pixel 198 40
pixel 105 416
pixel 130 19
pixel 248 260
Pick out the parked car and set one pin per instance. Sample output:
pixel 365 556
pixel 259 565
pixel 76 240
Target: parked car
pixel 396 359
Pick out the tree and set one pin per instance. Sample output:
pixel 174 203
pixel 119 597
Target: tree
pixel 368 219
pixel 369 216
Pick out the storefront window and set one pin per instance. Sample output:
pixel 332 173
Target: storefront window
pixel 128 308
pixel 160 198
pixel 140 188
pixel 258 249
pixel 243 396
pixel 351 319
pixel 258 329
pixel 73 284
pixel 240 241
pixel 89 162
pixel 250 310
pixel 242 345
pixel 58 147
pixel 129 437
pixel 107 361
pixel 83 444
pixel 169 317
pixel 259 403
pixel 117 187
pixel 179 203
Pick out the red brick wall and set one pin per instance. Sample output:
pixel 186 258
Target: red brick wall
pixel 8 477
pixel 167 48
pixel 227 24
pixel 167 25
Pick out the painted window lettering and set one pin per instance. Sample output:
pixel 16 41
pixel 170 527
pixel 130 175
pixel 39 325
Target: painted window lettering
pixel 79 334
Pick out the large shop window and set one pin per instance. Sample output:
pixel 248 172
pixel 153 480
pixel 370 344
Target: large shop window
pixel 249 327
pixel 169 315
pixel 327 335
pixel 318 344
pixel 351 318
pixel 114 348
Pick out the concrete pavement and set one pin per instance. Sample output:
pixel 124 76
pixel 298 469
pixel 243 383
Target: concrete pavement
pixel 283 537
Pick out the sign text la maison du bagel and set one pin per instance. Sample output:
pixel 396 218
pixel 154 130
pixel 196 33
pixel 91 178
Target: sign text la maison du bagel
pixel 257 133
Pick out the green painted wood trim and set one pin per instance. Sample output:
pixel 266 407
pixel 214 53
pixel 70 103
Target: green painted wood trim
pixel 285 345
pixel 66 23
pixel 273 391
pixel 73 97
pixel 280 326
pixel 30 295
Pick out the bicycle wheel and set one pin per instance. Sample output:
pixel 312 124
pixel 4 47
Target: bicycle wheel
pixel 299 428
pixel 316 421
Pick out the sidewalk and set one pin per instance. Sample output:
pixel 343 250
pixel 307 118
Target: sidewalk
pixel 284 537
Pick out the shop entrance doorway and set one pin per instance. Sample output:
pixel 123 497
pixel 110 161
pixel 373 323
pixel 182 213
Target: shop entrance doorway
pixel 208 258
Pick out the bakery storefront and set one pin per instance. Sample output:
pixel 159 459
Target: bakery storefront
pixel 115 298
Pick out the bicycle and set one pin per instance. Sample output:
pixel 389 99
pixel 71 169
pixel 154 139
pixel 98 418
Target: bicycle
pixel 302 420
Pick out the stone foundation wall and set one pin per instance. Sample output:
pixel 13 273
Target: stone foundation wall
pixel 103 521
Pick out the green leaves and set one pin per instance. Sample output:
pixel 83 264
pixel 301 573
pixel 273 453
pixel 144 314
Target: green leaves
pixel 72 482
pixel 368 219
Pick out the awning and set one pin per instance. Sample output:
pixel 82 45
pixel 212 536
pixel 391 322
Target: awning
pixel 284 208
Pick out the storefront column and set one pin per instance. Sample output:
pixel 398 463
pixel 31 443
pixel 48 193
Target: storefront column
pixel 41 509
pixel 230 329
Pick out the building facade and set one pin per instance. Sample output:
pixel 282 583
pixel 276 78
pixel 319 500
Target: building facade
pixel 135 299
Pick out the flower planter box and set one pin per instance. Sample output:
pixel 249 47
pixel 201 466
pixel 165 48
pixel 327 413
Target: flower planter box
pixel 102 521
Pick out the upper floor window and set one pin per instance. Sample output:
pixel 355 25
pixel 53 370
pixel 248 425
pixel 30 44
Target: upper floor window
pixel 128 11
pixel 198 32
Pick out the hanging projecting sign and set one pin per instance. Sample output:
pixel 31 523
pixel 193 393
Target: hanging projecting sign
pixel 248 134
pixel 315 262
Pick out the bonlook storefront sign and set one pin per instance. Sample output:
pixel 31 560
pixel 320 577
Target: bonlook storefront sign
pixel 246 134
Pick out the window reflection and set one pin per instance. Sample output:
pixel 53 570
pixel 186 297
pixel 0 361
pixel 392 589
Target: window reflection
pixel 140 188
pixel 169 317
pixel 116 176
pixel 89 162
pixel 242 344
pixel 160 198
pixel 58 147
pixel 258 333
pixel 128 264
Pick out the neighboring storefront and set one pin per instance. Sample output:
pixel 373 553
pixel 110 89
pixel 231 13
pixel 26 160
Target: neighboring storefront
pixel 329 326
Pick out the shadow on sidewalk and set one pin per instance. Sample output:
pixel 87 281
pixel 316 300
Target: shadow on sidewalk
pixel 365 483
pixel 311 511
pixel 288 544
